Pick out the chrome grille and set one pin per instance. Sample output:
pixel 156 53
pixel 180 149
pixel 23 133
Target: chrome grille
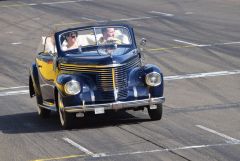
pixel 121 76
pixel 104 80
pixel 107 77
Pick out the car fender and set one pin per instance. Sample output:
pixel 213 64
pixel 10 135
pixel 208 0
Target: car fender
pixel 158 90
pixel 137 79
pixel 87 87
pixel 34 81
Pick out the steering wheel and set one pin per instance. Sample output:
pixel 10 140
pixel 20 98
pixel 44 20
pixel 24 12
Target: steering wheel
pixel 114 41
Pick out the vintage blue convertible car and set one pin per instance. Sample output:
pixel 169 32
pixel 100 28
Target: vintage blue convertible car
pixel 93 69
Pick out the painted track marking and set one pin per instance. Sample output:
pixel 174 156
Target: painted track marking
pixel 228 138
pixel 172 149
pixel 192 45
pixel 134 18
pixel 162 13
pixel 11 93
pixel 170 48
pixel 76 145
pixel 89 19
pixel 60 2
pixel 102 155
pixel 189 43
pixel 101 21
pixel 201 75
pixel 206 45
pixel 44 3
pixel 61 158
pixel 228 43
pixel 7 88
pixel 16 43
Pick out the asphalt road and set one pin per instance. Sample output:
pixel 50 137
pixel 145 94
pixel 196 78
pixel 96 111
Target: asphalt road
pixel 201 119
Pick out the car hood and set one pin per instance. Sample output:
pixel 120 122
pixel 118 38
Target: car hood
pixel 94 58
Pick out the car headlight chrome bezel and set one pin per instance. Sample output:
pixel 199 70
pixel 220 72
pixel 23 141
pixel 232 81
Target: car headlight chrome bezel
pixel 72 87
pixel 153 79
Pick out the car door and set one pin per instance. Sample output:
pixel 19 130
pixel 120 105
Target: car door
pixel 47 75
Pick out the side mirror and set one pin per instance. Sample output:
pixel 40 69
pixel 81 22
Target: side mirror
pixel 143 42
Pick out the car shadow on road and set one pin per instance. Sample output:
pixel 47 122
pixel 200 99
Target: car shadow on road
pixel 32 123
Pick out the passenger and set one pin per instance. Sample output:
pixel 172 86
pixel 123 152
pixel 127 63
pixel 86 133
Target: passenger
pixel 108 36
pixel 50 46
pixel 71 41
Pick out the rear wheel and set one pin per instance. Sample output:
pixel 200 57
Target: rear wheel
pixel 66 119
pixel 155 114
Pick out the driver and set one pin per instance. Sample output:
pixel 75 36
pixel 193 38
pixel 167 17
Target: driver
pixel 108 36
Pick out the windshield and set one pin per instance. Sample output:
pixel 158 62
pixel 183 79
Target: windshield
pixel 97 36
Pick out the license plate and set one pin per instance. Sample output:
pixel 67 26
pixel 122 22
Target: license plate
pixel 99 110
pixel 152 107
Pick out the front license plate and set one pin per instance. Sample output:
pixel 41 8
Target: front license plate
pixel 152 107
pixel 99 110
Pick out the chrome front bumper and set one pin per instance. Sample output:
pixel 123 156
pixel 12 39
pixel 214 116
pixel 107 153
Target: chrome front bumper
pixel 116 105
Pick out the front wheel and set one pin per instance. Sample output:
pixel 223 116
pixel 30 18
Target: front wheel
pixel 155 114
pixel 66 119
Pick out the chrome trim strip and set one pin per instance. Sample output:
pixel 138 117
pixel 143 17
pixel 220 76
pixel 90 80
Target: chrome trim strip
pixel 90 66
pixel 116 105
pixel 92 96
pixel 135 92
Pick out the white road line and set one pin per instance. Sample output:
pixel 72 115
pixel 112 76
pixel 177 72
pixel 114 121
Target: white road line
pixel 16 43
pixel 123 19
pixel 185 42
pixel 229 139
pixel 14 93
pixel 189 13
pixel 32 4
pixel 63 2
pixel 228 43
pixel 113 20
pixel 162 13
pixel 134 18
pixel 202 75
pixel 166 78
pixel 60 2
pixel 44 3
pixel 166 150
pixel 206 45
pixel 83 149
pixel 89 19
pixel 7 88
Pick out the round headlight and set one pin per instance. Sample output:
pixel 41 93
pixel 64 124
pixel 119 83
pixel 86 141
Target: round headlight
pixel 72 87
pixel 153 79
